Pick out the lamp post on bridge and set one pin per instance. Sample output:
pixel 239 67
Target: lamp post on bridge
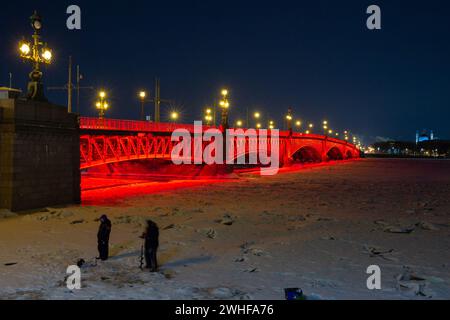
pixel 325 126
pixel 346 135
pixel 224 104
pixel 257 116
pixel 208 116
pixel 289 121
pixel 102 105
pixel 142 95
pixel 37 53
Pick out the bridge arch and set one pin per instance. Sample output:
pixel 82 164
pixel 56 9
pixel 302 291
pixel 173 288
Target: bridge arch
pixel 335 154
pixel 348 154
pixel 307 154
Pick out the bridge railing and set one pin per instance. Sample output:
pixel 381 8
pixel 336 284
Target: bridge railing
pixel 132 125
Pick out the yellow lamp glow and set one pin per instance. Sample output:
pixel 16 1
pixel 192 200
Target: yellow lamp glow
pixel 47 55
pixel 24 48
pixel 174 115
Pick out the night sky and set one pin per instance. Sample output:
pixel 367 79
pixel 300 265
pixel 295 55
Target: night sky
pixel 316 56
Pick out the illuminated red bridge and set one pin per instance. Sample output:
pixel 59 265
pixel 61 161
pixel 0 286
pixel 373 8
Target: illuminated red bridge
pixel 105 141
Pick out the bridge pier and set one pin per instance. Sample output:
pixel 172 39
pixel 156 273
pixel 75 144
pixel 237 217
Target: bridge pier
pixel 286 154
pixel 39 155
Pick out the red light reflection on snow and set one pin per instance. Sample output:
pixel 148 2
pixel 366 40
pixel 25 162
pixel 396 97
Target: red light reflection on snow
pixel 110 190
pixel 106 192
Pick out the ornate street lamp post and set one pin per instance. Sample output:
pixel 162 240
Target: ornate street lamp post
pixel 37 53
pixel 101 104
pixel 325 126
pixel 289 120
pixel 224 104
pixel 208 116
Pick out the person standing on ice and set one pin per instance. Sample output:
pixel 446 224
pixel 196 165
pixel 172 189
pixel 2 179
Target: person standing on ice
pixel 103 237
pixel 151 236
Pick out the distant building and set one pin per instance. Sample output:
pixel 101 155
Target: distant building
pixel 425 135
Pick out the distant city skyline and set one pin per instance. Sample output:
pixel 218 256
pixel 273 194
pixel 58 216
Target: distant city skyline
pixel 316 57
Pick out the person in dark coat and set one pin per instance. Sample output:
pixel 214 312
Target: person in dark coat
pixel 151 236
pixel 103 237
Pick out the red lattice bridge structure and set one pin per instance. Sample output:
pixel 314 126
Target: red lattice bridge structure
pixel 106 141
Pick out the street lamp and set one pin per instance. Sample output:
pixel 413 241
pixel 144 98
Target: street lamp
pixel 208 116
pixel 257 116
pixel 208 119
pixel 142 95
pixel 101 104
pixel 224 104
pixel 258 125
pixel 289 120
pixel 239 123
pixel 37 53
pixel 325 126
pixel 346 135
pixel 174 116
pixel 271 125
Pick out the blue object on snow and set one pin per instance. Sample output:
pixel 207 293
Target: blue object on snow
pixel 294 294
